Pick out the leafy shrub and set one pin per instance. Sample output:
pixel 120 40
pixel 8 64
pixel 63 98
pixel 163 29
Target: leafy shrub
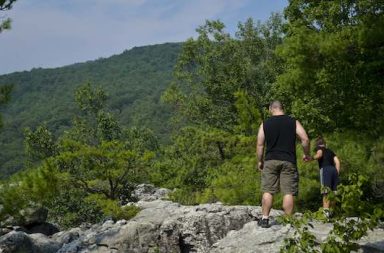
pixel 112 208
pixel 346 230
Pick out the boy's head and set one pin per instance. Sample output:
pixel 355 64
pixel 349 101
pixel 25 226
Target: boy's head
pixel 320 142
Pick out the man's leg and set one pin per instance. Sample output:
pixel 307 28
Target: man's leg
pixel 289 179
pixel 266 204
pixel 288 204
pixel 269 185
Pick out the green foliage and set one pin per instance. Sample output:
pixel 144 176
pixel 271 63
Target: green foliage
pixel 302 239
pixel 39 144
pixel 375 184
pixel 108 169
pixel 346 231
pixel 95 156
pixel 112 208
pixel 248 115
pixel 133 80
pixel 324 62
pixel 29 188
pixel 234 182
pixel 333 65
pixel 69 208
pixel 5 93
pixel 89 100
pixel 186 162
pixel 97 161
pixel 220 88
pixel 5 5
pixel 215 71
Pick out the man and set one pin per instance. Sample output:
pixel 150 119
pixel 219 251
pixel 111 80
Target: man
pixel 279 171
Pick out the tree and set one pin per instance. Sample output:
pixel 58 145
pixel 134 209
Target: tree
pixel 98 164
pixel 221 85
pixel 333 56
pixel 5 95
pixel 101 157
pixel 215 68
pixel 333 80
pixel 4 6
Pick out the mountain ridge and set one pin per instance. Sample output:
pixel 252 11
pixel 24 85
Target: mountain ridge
pixel 133 80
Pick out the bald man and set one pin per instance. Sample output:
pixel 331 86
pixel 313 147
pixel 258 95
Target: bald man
pixel 278 168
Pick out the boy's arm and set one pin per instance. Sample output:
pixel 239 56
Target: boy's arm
pixel 337 164
pixel 318 154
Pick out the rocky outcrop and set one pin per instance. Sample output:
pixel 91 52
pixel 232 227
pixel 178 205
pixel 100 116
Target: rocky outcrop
pixel 165 226
pixel 30 220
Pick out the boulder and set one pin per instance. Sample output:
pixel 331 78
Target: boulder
pixel 20 242
pixel 16 241
pixel 42 244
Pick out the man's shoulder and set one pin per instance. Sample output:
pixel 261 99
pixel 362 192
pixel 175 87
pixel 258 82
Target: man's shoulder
pixel 279 119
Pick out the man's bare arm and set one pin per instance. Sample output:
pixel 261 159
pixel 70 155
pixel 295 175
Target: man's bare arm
pixel 300 131
pixel 260 146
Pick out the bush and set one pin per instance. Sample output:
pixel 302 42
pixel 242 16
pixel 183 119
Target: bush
pixel 346 231
pixel 233 183
pixel 112 208
pixel 70 209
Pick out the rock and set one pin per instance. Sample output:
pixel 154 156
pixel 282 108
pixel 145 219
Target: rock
pixel 121 222
pixel 43 244
pixel 252 238
pixel 165 226
pixel 16 242
pixel 148 192
pixel 42 228
pixel 373 242
pixel 9 221
pixel 66 237
pixel 5 230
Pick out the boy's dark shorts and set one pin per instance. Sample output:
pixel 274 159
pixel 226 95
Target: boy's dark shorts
pixel 280 176
pixel 329 179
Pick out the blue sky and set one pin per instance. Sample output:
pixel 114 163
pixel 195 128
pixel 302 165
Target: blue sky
pixel 54 33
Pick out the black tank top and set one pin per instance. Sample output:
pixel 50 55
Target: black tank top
pixel 280 138
pixel 327 158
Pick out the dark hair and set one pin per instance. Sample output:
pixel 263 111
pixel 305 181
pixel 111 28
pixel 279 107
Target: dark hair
pixel 320 142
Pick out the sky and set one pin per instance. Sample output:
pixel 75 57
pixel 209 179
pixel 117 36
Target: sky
pixel 54 33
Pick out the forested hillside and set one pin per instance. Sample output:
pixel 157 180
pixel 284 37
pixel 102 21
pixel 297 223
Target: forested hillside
pixel 133 81
pixel 323 60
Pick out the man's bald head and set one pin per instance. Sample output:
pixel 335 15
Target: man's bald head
pixel 276 107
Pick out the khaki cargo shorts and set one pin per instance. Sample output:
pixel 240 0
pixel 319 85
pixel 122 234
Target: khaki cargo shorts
pixel 280 176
